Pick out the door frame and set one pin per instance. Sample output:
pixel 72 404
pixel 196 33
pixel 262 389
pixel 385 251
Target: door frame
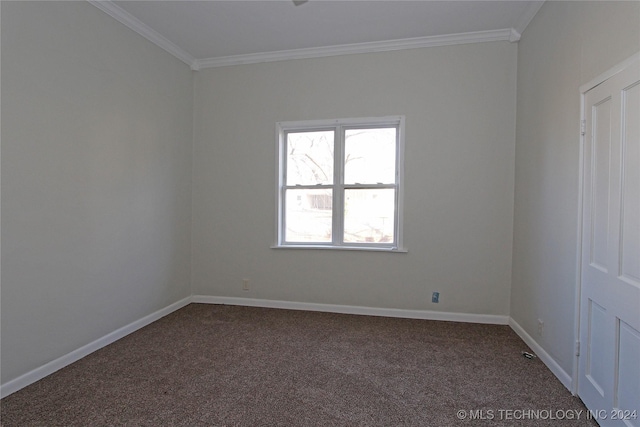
pixel 578 292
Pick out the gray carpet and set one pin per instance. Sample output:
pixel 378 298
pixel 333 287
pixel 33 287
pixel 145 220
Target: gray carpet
pixel 214 365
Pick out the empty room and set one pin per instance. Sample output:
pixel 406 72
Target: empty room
pixel 314 212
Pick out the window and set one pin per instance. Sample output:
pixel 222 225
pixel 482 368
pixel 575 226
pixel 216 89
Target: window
pixel 340 184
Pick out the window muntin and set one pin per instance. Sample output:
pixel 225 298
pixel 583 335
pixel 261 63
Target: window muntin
pixel 339 184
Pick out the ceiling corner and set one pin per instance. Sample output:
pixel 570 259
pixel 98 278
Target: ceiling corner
pixel 144 30
pixel 528 14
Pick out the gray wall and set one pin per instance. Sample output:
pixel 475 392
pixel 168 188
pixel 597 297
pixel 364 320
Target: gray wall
pixel 566 45
pixel 98 156
pixel 459 103
pixel 96 179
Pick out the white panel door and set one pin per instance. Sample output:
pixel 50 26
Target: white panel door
pixel 609 367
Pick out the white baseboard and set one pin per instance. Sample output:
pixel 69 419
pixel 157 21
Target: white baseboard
pixel 59 363
pixel 545 357
pixel 351 309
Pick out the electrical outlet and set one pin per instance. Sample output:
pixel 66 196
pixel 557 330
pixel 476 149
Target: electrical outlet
pixel 435 297
pixel 245 284
pixel 540 327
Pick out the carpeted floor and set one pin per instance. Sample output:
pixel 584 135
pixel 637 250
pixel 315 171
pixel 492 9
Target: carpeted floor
pixel 214 365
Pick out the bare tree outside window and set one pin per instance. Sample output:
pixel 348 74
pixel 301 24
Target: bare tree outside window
pixel 309 210
pixel 363 181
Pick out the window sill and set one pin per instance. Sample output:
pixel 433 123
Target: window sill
pixel 341 248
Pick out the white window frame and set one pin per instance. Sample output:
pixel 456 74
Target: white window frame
pixel 339 126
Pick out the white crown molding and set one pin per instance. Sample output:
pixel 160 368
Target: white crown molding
pixel 528 14
pixel 514 36
pixel 144 30
pixel 507 34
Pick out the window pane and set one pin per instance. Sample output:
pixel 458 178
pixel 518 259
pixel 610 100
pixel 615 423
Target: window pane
pixel 369 215
pixel 309 158
pixel 370 156
pixel 308 215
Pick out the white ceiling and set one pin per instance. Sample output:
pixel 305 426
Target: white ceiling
pixel 214 33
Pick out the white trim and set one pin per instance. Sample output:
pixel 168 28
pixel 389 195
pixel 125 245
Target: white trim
pixel 304 124
pixel 339 127
pixel 578 290
pixel 506 34
pixel 545 357
pixel 608 74
pixel 144 30
pixel 69 358
pixel 351 309
pixel 514 36
pixel 575 373
pixel 343 248
pixel 57 364
pixel 527 16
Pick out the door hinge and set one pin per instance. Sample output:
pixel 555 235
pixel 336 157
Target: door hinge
pixel 583 127
pixel 577 348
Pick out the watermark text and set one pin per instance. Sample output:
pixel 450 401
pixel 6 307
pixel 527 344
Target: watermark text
pixel 546 414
